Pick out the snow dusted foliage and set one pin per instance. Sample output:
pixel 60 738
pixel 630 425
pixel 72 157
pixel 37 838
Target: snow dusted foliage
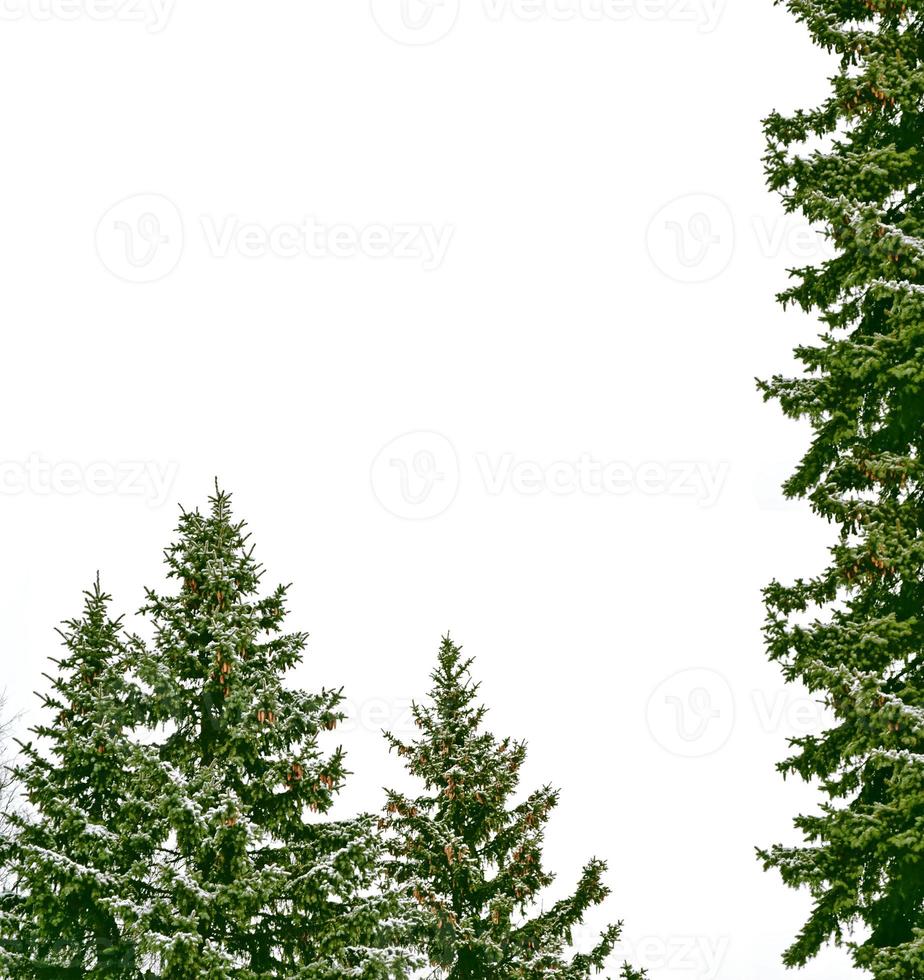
pixel 254 881
pixel 83 841
pixel 472 859
pixel 853 633
pixel 179 826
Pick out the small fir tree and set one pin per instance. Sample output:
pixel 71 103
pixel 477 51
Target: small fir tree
pixel 472 859
pixel 854 633
pixel 82 846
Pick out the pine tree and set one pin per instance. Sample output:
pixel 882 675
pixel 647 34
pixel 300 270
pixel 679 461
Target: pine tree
pixel 82 846
pixel 254 881
pixel 853 633
pixel 472 859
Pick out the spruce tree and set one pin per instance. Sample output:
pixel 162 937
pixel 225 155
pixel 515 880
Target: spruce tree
pixel 472 858
pixel 853 632
pixel 81 846
pixel 254 880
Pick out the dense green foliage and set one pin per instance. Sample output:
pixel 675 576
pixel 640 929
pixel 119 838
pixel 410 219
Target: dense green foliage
pixel 472 859
pixel 178 799
pixel 853 633
pixel 251 885
pixel 79 863
pixel 176 811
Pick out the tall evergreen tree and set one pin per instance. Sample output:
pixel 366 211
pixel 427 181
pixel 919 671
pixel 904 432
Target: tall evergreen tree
pixel 82 845
pixel 254 881
pixel 472 859
pixel 853 633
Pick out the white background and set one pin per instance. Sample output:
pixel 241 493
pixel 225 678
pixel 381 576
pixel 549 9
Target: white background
pixel 606 295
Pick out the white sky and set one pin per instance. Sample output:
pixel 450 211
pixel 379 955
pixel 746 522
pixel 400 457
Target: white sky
pixel 540 244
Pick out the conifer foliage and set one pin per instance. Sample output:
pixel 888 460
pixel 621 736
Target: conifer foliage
pixel 472 859
pixel 854 632
pixel 77 863
pixel 176 820
pixel 179 798
pixel 253 885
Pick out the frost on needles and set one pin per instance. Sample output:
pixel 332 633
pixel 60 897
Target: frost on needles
pixel 81 850
pixel 853 633
pixel 176 810
pixel 177 806
pixel 471 858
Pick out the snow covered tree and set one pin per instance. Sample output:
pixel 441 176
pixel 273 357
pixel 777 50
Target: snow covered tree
pixel 254 880
pixel 81 846
pixel 853 633
pixel 472 859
